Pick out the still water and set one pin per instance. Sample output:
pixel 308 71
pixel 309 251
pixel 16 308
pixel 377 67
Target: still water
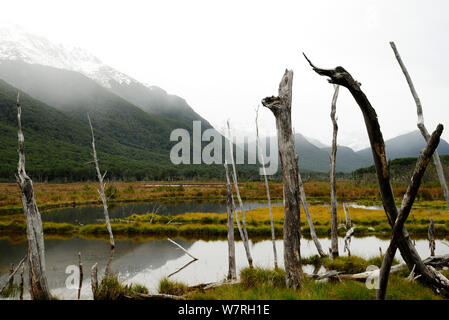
pixel 149 261
pixel 94 214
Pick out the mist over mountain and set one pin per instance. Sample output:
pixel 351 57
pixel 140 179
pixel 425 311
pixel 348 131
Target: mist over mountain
pixel 60 85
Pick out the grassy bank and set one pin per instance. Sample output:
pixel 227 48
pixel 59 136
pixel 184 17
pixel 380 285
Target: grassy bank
pixel 53 195
pixel 269 284
pixel 209 225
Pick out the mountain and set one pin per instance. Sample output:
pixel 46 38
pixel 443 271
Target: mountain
pixel 59 86
pixel 404 146
pixel 17 44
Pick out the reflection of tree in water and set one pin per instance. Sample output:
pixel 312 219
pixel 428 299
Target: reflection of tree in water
pixel 130 257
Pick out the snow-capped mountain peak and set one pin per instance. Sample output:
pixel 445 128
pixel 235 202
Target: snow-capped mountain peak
pixel 18 44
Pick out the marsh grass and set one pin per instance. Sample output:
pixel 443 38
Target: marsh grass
pixel 172 287
pixel 111 288
pixel 265 284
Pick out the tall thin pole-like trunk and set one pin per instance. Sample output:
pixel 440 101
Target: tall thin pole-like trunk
pixel 237 219
pixel 267 188
pixel 36 250
pixel 309 218
pixel 333 177
pixel 406 206
pixel 101 191
pixel 431 237
pixel 232 272
pixel 347 217
pixel 280 106
pixel 236 186
pixel 420 124
pixel 340 76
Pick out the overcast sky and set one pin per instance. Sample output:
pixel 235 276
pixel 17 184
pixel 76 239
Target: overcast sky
pixel 223 57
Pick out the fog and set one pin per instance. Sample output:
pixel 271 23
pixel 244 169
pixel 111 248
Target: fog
pixel 223 57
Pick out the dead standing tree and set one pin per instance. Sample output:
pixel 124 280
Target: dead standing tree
pixel 101 191
pixel 281 108
pixel 267 187
pixel 406 206
pixel 333 178
pixel 36 250
pixel 237 219
pixel 408 251
pixel 421 127
pixel 431 237
pixel 302 193
pixel 232 272
pixel 237 191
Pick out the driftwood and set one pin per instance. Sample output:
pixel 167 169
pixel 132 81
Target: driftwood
pixel 406 206
pixel 280 106
pixel 420 124
pixel 333 176
pixel 157 296
pixel 232 271
pixel 341 77
pixel 237 191
pixel 179 246
pixel 36 249
pixel 273 236
pixel 431 237
pixel 430 262
pixel 80 265
pixel 101 191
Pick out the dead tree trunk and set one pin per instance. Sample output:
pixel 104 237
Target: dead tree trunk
pixel 347 217
pixel 237 191
pixel 431 237
pixel 94 280
pixel 232 272
pixel 273 235
pixel 237 218
pixel 341 77
pixel 22 271
pixel 406 206
pixel 333 177
pixel 281 108
pixel 101 191
pixel 422 128
pixel 11 276
pixel 309 218
pixel 36 249
pixel 80 266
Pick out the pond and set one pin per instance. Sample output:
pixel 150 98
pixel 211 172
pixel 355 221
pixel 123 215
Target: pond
pixel 147 262
pixel 94 214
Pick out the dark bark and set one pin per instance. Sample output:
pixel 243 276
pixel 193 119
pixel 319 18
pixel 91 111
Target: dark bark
pixel 281 108
pixel 341 77
pixel 407 202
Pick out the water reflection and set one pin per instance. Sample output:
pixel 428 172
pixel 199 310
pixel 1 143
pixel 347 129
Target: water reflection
pixel 148 262
pixel 94 214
